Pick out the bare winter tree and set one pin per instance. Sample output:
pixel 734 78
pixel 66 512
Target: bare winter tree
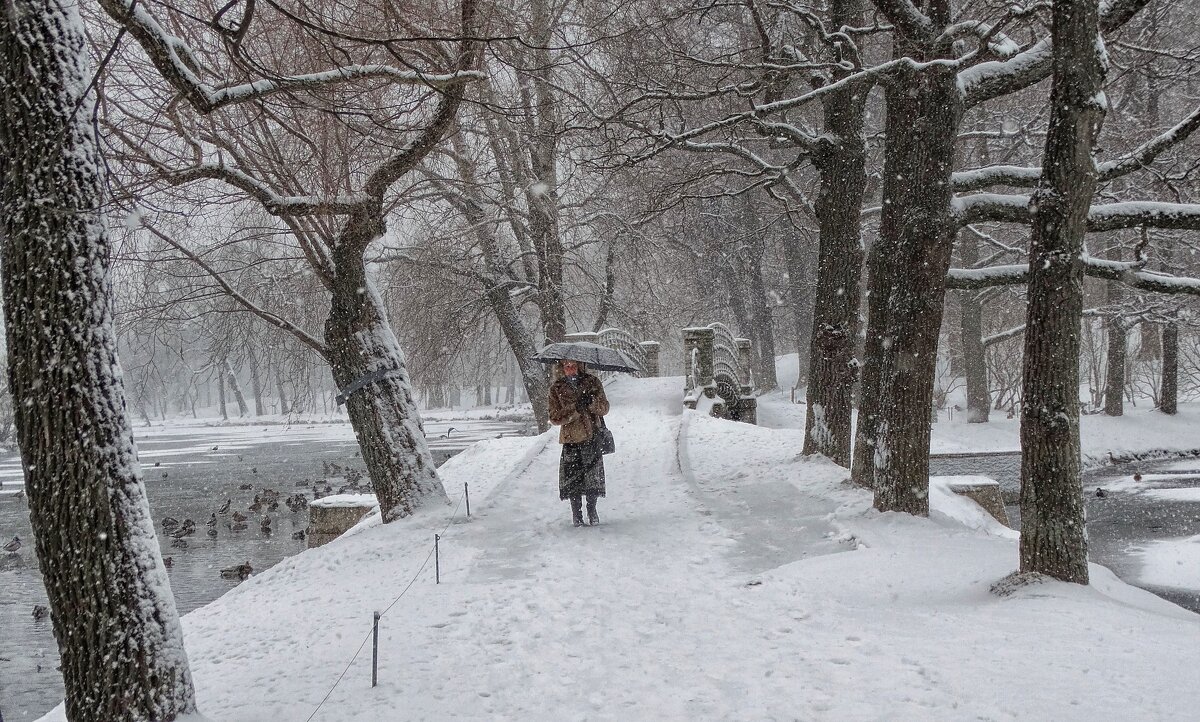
pixel 110 601
pixel 258 153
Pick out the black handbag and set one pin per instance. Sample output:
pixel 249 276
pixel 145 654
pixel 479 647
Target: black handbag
pixel 604 437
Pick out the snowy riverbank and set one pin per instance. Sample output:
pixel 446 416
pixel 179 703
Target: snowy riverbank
pixel 730 579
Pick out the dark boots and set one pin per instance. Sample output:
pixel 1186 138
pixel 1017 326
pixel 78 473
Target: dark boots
pixel 577 510
pixel 593 517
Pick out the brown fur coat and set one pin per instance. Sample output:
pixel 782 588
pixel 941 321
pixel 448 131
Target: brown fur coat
pixel 576 427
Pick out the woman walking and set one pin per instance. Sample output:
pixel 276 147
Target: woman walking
pixel 577 402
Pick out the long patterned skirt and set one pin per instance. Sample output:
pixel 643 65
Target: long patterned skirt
pixel 580 470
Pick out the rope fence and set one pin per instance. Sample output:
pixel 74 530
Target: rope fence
pixel 376 616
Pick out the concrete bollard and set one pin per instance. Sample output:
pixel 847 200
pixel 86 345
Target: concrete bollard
pixel 983 490
pixel 331 516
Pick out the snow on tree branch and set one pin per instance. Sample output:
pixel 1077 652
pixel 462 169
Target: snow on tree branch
pixel 905 16
pixel 1002 208
pixel 275 204
pixel 178 65
pixel 1130 273
pixel 1027 177
pixel 992 79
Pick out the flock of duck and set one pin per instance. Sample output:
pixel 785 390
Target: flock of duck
pixel 265 502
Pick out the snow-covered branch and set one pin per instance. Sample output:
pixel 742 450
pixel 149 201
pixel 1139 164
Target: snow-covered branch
pixel 1130 273
pixel 1027 177
pixel 905 16
pixel 274 203
pixel 174 59
pixel 985 81
pixel 1001 208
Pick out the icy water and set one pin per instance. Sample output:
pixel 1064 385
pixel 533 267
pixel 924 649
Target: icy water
pixel 189 472
pixel 1121 522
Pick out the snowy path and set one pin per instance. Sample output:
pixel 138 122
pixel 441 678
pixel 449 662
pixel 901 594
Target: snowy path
pixel 711 591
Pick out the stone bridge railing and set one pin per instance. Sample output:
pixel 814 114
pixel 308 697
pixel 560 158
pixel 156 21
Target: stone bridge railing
pixel 644 352
pixel 718 365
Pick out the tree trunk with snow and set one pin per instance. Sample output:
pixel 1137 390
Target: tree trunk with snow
pixel 1053 538
pixel 359 341
pixel 110 599
pixel 907 284
pixel 840 159
pixel 1168 396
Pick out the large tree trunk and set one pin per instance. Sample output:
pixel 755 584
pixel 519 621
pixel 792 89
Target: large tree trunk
pixel 1053 538
pixel 907 285
pixel 1168 396
pixel 359 341
pixel 110 599
pixel 974 354
pixel 833 370
pixel 762 326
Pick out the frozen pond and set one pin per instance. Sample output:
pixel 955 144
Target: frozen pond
pixel 189 472
pixel 1126 520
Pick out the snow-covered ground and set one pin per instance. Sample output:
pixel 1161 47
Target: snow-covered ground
pixel 1142 431
pixel 730 578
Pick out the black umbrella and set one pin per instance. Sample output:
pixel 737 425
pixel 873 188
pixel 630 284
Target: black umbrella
pixel 600 358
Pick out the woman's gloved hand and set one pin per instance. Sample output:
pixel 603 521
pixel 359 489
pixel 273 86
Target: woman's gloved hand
pixel 584 401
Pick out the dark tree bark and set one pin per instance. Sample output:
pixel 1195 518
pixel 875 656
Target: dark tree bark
pixel 1053 539
pixel 1115 354
pixel 908 270
pixel 974 354
pixel 110 599
pixel 1168 395
pixel 840 159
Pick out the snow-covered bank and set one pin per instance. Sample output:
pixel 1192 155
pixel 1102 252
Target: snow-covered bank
pixel 731 578
pixel 1141 433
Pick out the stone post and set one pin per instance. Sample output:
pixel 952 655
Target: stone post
pixel 651 349
pixel 698 343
